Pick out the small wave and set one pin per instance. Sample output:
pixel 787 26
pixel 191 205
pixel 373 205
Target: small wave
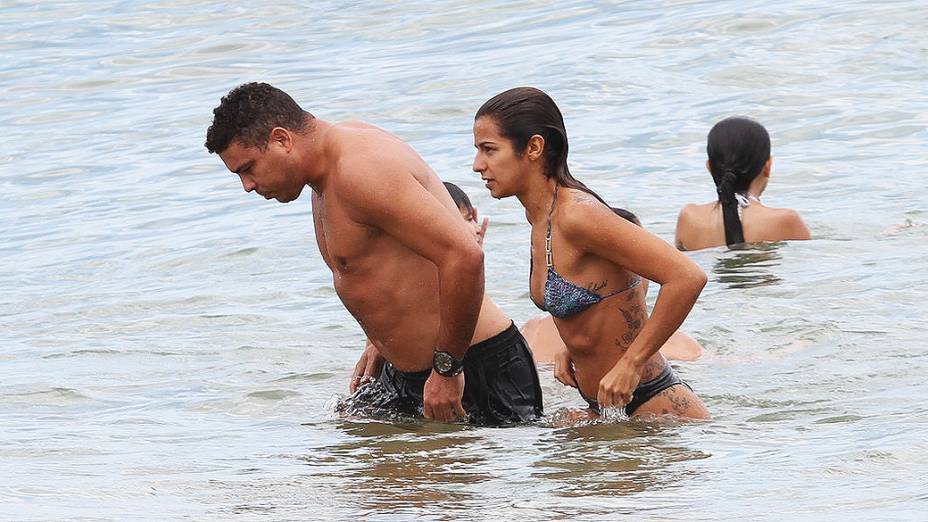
pixel 51 396
pixel 244 252
pixel 79 353
pixel 273 395
pixel 306 377
pixel 840 419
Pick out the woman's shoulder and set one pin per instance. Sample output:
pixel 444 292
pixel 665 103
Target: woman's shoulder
pixel 792 223
pixel 575 197
pixel 785 223
pixel 697 226
pixel 579 207
pixel 694 209
pixel 694 215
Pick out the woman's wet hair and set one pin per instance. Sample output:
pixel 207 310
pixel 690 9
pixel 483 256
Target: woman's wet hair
pixel 738 149
pixel 523 112
pixel 460 197
pixel 627 215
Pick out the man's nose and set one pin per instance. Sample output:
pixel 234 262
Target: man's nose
pixel 248 184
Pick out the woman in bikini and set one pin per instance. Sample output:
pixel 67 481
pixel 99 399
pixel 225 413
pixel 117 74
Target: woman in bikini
pixel 739 161
pixel 584 262
pixel 547 346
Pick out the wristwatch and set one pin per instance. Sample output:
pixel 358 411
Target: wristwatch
pixel 446 364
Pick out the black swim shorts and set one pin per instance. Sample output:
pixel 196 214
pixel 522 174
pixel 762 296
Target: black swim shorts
pixel 501 385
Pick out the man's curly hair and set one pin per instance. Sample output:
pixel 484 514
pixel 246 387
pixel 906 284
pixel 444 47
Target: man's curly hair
pixel 249 112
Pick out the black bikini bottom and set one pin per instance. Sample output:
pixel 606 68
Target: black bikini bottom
pixel 645 390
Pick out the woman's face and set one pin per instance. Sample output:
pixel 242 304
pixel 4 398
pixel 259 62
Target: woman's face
pixel 499 165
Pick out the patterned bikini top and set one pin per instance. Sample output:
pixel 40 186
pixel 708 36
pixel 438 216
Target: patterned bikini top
pixel 561 297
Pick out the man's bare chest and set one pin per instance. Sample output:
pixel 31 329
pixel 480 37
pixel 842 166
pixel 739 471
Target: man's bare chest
pixel 343 241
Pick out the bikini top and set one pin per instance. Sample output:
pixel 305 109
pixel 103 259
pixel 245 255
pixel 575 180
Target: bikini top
pixel 561 297
pixel 744 201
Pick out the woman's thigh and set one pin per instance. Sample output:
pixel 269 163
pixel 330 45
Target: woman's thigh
pixel 677 400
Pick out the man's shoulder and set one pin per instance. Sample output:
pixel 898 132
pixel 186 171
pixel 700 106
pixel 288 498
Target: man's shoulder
pixel 370 190
pixel 353 124
pixel 360 139
pixel 360 174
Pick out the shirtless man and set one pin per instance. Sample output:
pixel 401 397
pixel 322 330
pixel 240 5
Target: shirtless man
pixel 403 261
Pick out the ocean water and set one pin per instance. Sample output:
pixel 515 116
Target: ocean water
pixel 171 346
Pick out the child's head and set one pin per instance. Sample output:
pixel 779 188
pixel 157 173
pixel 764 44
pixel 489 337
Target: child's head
pixel 460 200
pixel 467 209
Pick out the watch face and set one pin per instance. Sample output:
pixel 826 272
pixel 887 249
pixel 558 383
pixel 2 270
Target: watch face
pixel 443 362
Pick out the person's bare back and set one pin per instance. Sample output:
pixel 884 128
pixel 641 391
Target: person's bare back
pixel 702 226
pixel 739 161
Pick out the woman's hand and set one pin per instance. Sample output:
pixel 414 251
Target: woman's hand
pixel 618 386
pixel 564 368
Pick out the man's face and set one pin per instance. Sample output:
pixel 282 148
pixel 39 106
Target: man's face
pixel 263 171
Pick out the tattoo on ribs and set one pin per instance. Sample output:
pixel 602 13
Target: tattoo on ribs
pixel 633 320
pixel 652 368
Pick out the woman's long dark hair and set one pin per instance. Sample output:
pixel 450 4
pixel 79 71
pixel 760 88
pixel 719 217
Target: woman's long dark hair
pixel 524 112
pixel 738 148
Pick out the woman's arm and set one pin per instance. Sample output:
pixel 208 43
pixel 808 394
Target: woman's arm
pixel 596 230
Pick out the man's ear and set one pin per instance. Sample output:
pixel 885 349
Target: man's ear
pixel 709 166
pixel 473 213
pixel 767 167
pixel 280 137
pixel 535 147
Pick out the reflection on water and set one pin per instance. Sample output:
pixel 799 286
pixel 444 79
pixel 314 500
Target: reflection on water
pixel 412 468
pixel 620 459
pixel 418 464
pixel 749 265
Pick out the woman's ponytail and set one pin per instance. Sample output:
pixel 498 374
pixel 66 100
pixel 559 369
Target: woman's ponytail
pixel 738 148
pixel 734 233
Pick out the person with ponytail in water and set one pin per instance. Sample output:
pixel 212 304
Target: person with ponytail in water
pixel 739 161
pixel 586 262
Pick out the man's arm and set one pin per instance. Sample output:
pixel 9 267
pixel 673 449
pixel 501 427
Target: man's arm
pixel 392 200
pixel 595 229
